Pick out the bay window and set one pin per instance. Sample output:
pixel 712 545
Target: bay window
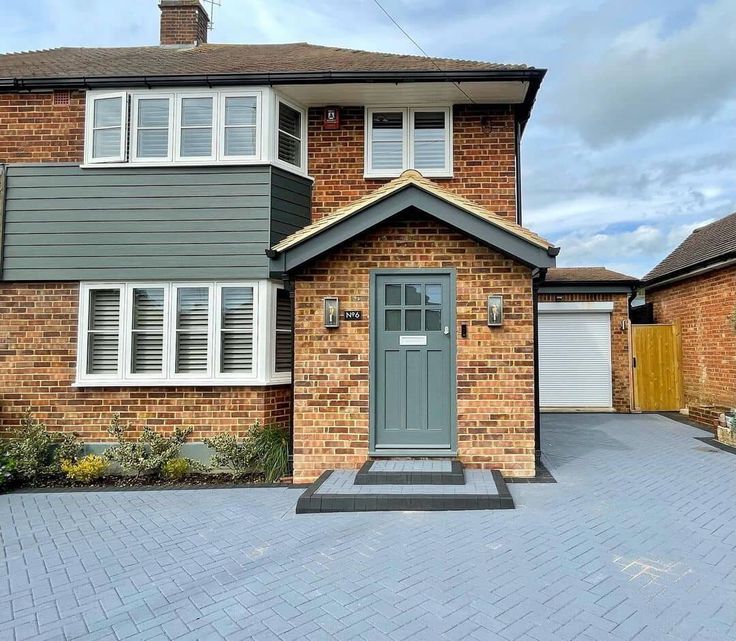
pixel 408 138
pixel 184 333
pixel 197 127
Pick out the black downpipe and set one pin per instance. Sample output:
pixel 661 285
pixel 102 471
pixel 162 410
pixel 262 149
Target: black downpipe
pixel 538 279
pixel 289 287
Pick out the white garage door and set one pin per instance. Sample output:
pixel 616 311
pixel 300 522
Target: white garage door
pixel 574 357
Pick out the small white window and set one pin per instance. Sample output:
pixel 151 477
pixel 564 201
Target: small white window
pixel 283 351
pixel 410 138
pixel 290 136
pixel 181 333
pixel 196 127
pixel 152 120
pixel 239 129
pixel 106 124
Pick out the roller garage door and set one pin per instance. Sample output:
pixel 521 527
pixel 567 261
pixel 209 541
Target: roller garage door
pixel 575 355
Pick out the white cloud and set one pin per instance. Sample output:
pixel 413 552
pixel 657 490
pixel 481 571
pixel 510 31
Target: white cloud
pixel 646 77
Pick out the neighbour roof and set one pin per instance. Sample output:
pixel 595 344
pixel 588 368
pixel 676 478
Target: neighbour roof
pixel 408 178
pixel 586 275
pixel 297 57
pixel 704 245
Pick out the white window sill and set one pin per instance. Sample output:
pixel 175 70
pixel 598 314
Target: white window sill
pixel 392 175
pixel 189 382
pixel 199 163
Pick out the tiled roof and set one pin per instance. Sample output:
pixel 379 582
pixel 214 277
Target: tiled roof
pixel 703 245
pixel 586 275
pixel 298 57
pixel 408 178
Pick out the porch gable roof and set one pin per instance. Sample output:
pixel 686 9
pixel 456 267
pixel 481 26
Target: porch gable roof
pixel 412 190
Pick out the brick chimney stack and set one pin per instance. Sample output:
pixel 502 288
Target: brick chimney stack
pixel 183 22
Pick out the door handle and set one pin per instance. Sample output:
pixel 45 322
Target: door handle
pixel 447 330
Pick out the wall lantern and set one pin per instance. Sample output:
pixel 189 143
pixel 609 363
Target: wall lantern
pixel 332 312
pixel 495 311
pixel 331 118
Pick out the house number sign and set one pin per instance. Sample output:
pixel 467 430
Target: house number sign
pixel 353 315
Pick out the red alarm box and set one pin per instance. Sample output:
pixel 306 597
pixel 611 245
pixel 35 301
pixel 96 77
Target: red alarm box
pixel 331 118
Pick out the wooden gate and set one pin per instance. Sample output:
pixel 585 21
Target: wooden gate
pixel 656 365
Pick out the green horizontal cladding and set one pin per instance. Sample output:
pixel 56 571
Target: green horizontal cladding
pixel 63 222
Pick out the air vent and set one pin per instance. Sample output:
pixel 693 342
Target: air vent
pixel 62 97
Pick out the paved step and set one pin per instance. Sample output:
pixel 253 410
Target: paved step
pixel 336 491
pixel 410 472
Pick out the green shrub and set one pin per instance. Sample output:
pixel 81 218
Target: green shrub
pixel 149 453
pixel 270 445
pixel 7 467
pixel 231 454
pixel 37 452
pixel 86 469
pixel 176 469
pixel 265 448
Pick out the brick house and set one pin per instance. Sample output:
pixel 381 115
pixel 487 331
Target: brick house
pixel 188 229
pixel 695 287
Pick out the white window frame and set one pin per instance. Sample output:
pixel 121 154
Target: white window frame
pixel 127 323
pixel 408 142
pixel 302 168
pixel 89 128
pixel 212 157
pixel 135 99
pixel 264 332
pixel 259 126
pixel 83 331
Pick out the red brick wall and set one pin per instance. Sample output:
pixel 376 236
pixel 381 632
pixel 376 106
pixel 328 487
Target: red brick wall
pixel 183 22
pixel 38 337
pixel 620 344
pixel 701 306
pixel 484 159
pixel 33 129
pixel 495 369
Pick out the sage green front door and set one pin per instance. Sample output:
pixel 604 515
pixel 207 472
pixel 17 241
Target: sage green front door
pixel 413 377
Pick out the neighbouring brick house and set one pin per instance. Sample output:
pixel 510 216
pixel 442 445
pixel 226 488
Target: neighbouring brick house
pixel 695 288
pixel 188 228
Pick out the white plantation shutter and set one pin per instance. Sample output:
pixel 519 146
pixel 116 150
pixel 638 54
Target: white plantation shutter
pixel 192 329
pixel 147 340
pixel 103 331
pixel 236 330
pixel 283 357
pixel 107 127
pixel 289 135
pixel 387 140
pixel 430 140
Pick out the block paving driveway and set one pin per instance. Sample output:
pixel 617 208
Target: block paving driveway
pixel 637 540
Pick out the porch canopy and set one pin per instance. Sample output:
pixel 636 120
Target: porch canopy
pixel 411 193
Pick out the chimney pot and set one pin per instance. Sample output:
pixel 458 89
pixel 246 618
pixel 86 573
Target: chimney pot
pixel 183 22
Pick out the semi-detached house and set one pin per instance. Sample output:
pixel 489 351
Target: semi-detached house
pixel 212 235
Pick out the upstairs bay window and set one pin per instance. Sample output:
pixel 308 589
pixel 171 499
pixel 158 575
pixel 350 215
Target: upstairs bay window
pixel 193 127
pixel 183 334
pixel 408 138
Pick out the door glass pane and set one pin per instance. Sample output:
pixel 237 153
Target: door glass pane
pixel 393 320
pixel 433 295
pixel 413 294
pixel 413 320
pixel 393 294
pixel 432 320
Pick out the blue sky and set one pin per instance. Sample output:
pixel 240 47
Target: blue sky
pixel 632 142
